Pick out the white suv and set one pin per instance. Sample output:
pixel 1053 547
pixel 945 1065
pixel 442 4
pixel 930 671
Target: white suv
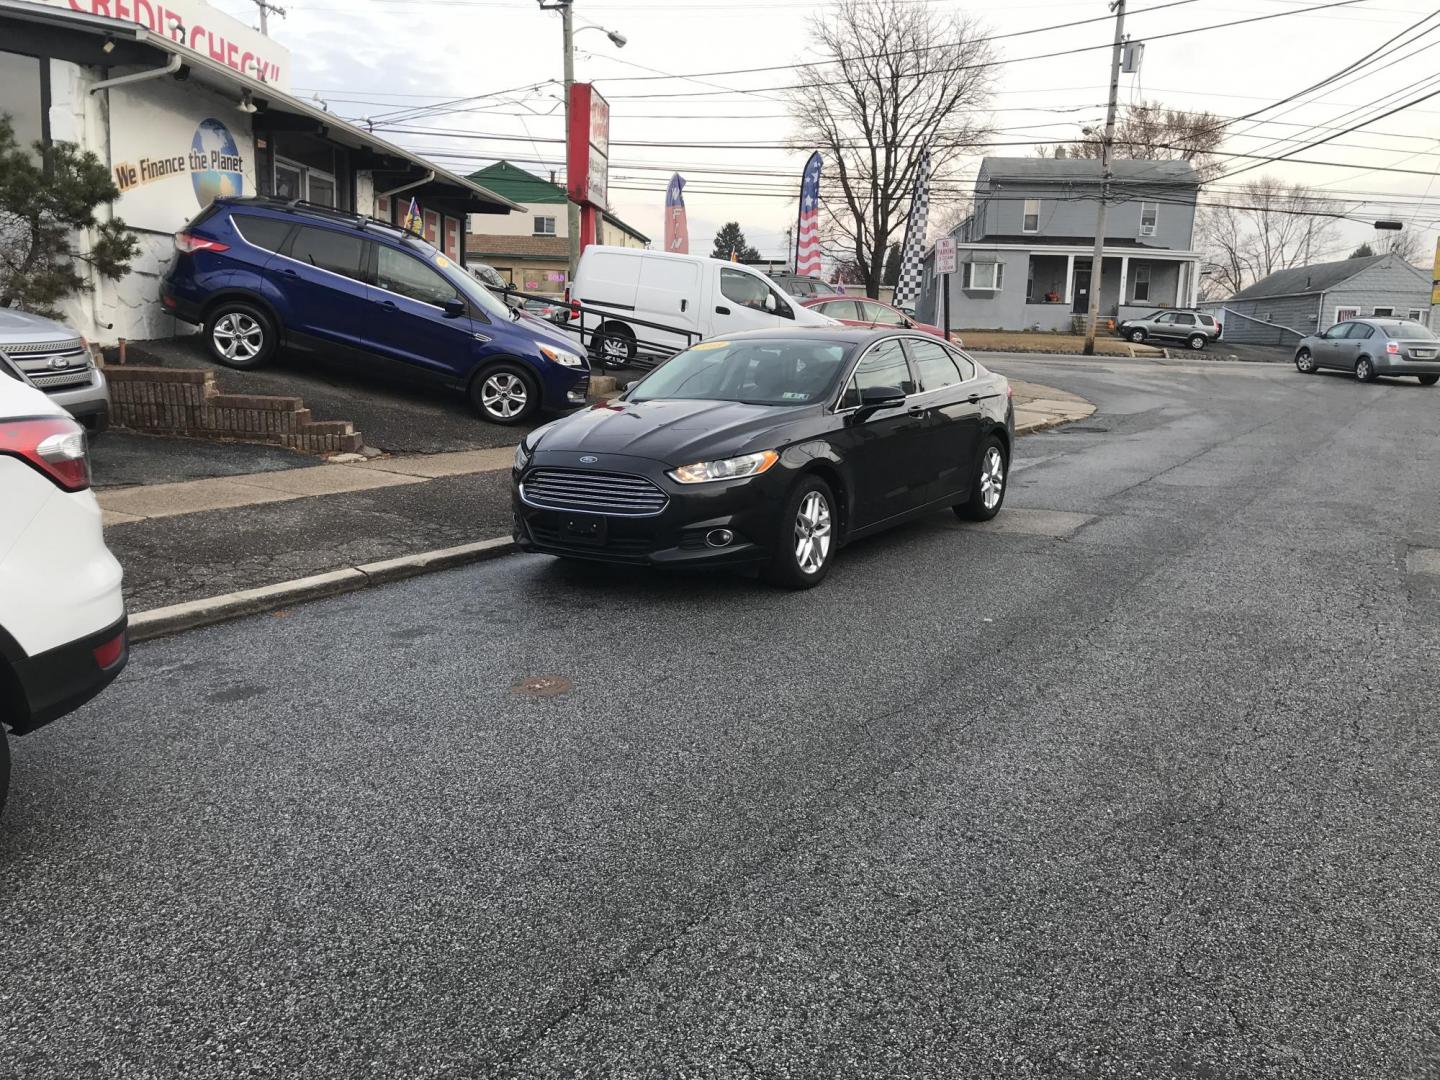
pixel 62 618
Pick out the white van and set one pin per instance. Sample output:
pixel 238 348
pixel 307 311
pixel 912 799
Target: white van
pixel 707 297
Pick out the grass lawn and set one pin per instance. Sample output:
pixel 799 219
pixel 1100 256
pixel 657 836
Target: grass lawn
pixel 1106 343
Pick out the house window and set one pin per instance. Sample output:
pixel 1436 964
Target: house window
pixel 1384 312
pixel 296 181
pixel 1149 217
pixel 544 226
pixel 1032 216
pixel 1414 315
pixel 1344 314
pixel 984 276
pixel 1142 284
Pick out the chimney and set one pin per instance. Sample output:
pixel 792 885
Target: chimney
pixel 552 176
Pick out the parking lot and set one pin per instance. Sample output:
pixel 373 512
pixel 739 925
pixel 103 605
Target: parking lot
pixel 1135 781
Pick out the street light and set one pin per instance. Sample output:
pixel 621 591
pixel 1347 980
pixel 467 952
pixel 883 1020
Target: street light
pixel 567 26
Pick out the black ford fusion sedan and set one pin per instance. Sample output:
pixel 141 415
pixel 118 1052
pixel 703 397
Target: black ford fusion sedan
pixel 772 447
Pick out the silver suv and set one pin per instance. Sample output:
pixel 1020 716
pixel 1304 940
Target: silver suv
pixel 1195 328
pixel 57 360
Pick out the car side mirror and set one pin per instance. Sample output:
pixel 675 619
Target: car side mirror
pixel 875 398
pixel 454 307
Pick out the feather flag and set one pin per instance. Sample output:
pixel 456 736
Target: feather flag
pixel 912 255
pixel 807 246
pixel 677 229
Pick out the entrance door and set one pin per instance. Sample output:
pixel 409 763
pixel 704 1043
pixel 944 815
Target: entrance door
pixel 1081 287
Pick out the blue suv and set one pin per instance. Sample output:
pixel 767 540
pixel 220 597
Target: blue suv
pixel 260 273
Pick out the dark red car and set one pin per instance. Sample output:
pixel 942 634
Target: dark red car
pixel 859 311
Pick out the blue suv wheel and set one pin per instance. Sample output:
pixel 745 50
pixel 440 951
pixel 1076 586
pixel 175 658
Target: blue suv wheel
pixel 240 335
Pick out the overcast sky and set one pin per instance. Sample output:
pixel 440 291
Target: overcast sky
pixel 371 57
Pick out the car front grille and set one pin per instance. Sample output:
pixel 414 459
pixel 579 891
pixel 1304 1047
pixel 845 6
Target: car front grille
pixel 615 494
pixel 48 348
pixel 59 380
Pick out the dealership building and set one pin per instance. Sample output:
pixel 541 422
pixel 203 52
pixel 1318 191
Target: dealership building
pixel 183 103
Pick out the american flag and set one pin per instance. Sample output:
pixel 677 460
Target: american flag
pixel 677 229
pixel 807 246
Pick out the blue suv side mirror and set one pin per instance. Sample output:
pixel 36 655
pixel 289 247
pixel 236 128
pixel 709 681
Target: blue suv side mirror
pixel 454 307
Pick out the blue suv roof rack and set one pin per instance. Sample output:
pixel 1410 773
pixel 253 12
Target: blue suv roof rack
pixel 359 221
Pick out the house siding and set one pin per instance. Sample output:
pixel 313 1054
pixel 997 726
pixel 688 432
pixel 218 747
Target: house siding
pixel 1394 284
pixel 1069 210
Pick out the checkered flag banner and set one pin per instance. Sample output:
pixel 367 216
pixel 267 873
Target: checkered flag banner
pixel 912 255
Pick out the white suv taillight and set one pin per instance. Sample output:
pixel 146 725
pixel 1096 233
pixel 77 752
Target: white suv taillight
pixel 189 243
pixel 54 446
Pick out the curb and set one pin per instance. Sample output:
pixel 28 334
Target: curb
pixel 193 614
pixel 161 622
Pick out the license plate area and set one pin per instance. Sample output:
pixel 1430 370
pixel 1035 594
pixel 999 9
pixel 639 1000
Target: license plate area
pixel 1422 354
pixel 586 530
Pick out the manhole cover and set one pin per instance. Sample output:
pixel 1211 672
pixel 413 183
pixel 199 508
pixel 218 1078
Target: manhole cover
pixel 543 686
pixel 1083 429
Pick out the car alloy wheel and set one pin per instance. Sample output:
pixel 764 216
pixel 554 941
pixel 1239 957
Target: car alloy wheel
pixel 1365 369
pixel 1137 336
pixel 504 395
pixel 1304 362
pixel 992 478
pixel 238 337
pixel 1197 342
pixel 813 531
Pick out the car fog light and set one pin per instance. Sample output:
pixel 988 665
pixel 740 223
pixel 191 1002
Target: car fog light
pixel 718 538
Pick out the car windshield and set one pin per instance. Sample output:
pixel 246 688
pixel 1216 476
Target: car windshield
pixel 1410 330
pixel 760 372
pixel 476 293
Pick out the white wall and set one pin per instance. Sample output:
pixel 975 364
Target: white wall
pixel 517 224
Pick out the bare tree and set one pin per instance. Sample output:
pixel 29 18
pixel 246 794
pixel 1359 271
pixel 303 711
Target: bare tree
pixel 1150 131
pixel 1404 242
pixel 948 215
pixel 892 79
pixel 1267 226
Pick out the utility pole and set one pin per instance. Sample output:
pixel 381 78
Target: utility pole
pixel 572 208
pixel 265 8
pixel 1097 262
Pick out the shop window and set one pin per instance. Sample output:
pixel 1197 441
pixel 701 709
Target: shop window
pixel 544 226
pixel 399 273
pixel 334 251
pixel 296 181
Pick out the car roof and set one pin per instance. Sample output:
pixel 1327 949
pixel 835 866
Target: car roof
pixel 848 335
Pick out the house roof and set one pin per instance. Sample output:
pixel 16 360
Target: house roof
pixel 1315 278
pixel 1061 170
pixel 82 38
pixel 515 183
pixel 496 245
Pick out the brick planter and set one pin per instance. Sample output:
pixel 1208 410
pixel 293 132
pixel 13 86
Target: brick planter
pixel 186 401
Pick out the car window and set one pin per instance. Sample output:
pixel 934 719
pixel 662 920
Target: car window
pixel 1166 318
pixel 964 363
pixel 883 365
pixel 1183 319
pixel 1359 331
pixel 1336 332
pixel 841 309
pixel 1208 320
pixel 334 251
pixel 399 273
pixel 744 289
pixel 879 314
pixel 934 366
pixel 263 232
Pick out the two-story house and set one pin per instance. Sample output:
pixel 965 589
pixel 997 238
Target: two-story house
pixel 1025 252
pixel 531 247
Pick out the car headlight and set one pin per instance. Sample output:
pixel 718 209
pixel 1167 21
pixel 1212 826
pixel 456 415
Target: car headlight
pixel 703 472
pixel 522 455
pixel 560 356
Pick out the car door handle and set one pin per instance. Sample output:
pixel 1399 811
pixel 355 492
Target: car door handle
pixel 722 311
pixel 289 272
pixel 388 305
pixel 684 304
pixel 974 399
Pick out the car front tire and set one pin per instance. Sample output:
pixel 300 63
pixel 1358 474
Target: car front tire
pixel 505 393
pixel 4 768
pixel 805 545
pixel 614 347
pixel 240 335
pixel 989 481
pixel 1197 341
pixel 1365 369
pixel 1137 336
pixel 1304 362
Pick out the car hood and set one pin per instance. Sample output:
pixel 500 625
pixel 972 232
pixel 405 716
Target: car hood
pixel 673 431
pixel 21 328
pixel 542 330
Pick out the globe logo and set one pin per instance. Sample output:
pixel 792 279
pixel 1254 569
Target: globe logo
pixel 215 163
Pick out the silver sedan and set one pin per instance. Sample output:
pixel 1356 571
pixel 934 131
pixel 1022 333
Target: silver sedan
pixel 1373 347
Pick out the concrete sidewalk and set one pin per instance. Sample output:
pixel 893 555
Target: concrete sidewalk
pixel 1036 408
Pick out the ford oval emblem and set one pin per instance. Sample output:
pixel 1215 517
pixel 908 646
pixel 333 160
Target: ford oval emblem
pixel 58 362
pixel 588 459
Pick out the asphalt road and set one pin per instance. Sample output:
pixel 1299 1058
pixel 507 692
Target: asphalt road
pixel 1144 785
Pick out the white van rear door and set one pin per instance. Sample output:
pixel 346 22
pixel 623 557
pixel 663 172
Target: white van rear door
pixel 608 279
